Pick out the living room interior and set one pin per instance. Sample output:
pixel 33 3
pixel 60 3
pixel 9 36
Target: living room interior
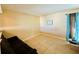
pixel 43 27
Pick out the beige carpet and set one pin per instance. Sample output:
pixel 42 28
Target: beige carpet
pixel 51 44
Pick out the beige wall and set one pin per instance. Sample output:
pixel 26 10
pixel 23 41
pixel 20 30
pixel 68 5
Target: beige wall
pixel 59 22
pixel 24 25
pixel 21 25
pixel 1 21
pixel 1 18
pixel 1 9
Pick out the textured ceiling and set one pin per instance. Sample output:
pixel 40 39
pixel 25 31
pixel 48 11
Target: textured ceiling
pixel 39 9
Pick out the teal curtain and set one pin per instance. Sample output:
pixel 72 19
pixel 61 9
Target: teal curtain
pixel 77 28
pixel 76 39
pixel 68 27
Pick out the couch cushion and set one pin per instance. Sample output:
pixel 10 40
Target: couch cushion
pixel 5 46
pixel 19 46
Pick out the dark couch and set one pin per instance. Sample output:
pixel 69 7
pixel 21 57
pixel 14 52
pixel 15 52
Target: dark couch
pixel 14 45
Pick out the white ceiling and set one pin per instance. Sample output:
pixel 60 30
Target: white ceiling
pixel 39 9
